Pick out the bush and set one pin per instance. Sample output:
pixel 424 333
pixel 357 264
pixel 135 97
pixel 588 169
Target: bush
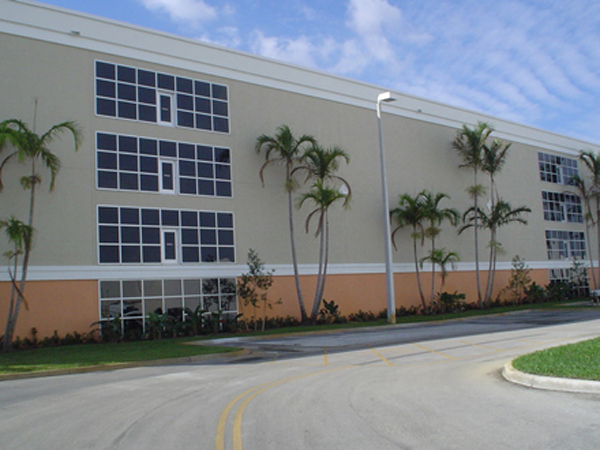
pixel 362 316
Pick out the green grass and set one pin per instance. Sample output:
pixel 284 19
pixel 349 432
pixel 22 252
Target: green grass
pixel 74 356
pixel 580 361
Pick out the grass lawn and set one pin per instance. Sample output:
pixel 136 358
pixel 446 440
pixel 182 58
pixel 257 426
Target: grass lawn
pixel 73 356
pixel 581 361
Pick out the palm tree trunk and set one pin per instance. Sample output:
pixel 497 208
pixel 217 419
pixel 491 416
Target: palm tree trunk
pixel 294 258
pixel 12 322
pixel 598 231
pixel 7 332
pixel 326 262
pixel 476 237
pixel 423 304
pixel 491 268
pixel 432 270
pixel 317 300
pixel 589 252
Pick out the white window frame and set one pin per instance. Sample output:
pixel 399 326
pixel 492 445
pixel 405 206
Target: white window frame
pixel 160 94
pixel 163 252
pixel 161 187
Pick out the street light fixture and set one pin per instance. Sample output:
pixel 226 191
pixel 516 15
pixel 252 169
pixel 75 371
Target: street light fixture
pixel 389 276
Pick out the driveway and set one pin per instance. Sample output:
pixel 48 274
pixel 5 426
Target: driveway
pixel 434 386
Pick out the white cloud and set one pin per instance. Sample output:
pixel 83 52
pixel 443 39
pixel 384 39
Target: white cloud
pixel 225 36
pixel 189 12
pixel 298 51
pixel 369 20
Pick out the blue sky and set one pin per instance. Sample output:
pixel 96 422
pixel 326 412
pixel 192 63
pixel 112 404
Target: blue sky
pixel 531 61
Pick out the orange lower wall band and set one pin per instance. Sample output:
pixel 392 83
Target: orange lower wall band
pixel 69 306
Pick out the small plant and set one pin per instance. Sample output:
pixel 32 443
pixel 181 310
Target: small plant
pixel 254 286
pixel 535 293
pixel 362 316
pixel 159 326
pixel 195 319
pixel 108 330
pixel 330 313
pixel 403 311
pixel 578 277
pixel 450 302
pixel 519 280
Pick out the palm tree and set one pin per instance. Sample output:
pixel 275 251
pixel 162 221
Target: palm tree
pixel 442 258
pixel 494 158
pixel 19 235
pixel 285 149
pixel 323 197
pixel 410 212
pixel 469 145
pixel 586 196
pixel 31 148
pixel 502 214
pixel 435 215
pixel 322 164
pixel 592 162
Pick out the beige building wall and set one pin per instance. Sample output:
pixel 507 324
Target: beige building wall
pixel 49 55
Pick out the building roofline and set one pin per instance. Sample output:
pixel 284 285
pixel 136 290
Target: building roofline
pixel 85 31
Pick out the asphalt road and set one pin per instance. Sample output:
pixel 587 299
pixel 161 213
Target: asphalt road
pixel 434 386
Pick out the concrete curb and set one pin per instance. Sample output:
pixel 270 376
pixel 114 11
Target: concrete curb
pixel 549 383
pixel 108 367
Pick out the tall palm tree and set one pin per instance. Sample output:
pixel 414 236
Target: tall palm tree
pixel 494 158
pixel 322 164
pixel 502 214
pixel 592 162
pixel 323 197
pixel 285 149
pixel 31 148
pixel 469 144
pixel 410 212
pixel 586 196
pixel 435 216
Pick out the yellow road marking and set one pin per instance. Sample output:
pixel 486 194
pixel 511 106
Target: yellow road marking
pixel 482 346
pixel 326 359
pixel 255 391
pixel 382 357
pixel 433 351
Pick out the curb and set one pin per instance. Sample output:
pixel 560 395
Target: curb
pixel 129 365
pixel 549 383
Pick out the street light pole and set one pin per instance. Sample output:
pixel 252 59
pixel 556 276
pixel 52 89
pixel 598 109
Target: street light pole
pixel 389 276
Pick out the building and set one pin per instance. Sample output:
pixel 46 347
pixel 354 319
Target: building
pixel 160 206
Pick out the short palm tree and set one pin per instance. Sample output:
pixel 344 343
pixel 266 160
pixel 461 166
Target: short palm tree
pixel 435 215
pixel 19 235
pixel 31 148
pixel 323 197
pixel 502 214
pixel 285 149
pixel 442 258
pixel 469 144
pixel 410 213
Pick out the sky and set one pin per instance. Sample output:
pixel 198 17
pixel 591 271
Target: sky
pixel 535 62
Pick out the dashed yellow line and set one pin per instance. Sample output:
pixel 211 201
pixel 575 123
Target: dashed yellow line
pixel 435 352
pixel 382 357
pixel 325 358
pixel 481 346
